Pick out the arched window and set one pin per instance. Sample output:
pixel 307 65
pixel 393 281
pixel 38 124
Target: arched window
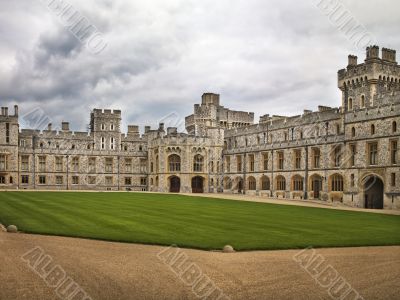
pixel 265 183
pixel 353 132
pixel 198 163
pixel 174 162
pixel 297 183
pixel 350 103
pixel 394 127
pixel 252 183
pixel 372 129
pixel 280 183
pixel 362 104
pixel 337 183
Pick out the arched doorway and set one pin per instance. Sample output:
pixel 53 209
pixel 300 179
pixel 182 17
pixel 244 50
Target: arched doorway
pixel 197 184
pixel 174 184
pixel 316 185
pixel 239 184
pixel 373 192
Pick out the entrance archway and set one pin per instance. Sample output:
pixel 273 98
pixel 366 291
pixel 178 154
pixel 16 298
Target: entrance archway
pixel 174 184
pixel 197 184
pixel 316 185
pixel 373 192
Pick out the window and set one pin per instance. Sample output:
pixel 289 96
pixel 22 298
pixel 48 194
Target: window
pixel 25 179
pixel 2 180
pixel 394 127
pixel 112 127
pixel 75 180
pixel 7 133
pixel 372 129
pixel 373 153
pixel 92 179
pixel 280 160
pixel 352 183
pixel 297 159
pixel 362 102
pixel 92 165
pixel 280 183
pixel 337 156
pixel 393 179
pixel 75 164
pixel 265 183
pixel 59 180
pixel 228 164
pixel 143 181
pixel 42 163
pixel 316 156
pixel 103 127
pixel 59 164
pixel 337 183
pixel 143 166
pixel 353 132
pixel 109 180
pixel 239 163
pixel 103 145
pixel 265 161
pixel 3 162
pixel 25 163
pixel 112 143
pixel 198 163
pixel 352 155
pixel 337 129
pixel 297 183
pixel 128 165
pixel 350 104
pixel 251 162
pixel 393 152
pixel 128 180
pixel 109 165
pixel 252 183
pixel 174 162
pixel 42 179
pixel 22 143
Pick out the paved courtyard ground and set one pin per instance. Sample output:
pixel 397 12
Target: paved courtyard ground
pixel 107 270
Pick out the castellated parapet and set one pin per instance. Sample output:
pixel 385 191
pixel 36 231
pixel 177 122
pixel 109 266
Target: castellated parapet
pixel 347 154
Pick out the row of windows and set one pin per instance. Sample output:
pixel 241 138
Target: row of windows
pixel 112 145
pixel 174 164
pixel 338 157
pixel 75 180
pixel 373 129
pixel 75 164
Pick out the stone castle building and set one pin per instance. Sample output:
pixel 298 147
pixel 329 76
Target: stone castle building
pixel 347 154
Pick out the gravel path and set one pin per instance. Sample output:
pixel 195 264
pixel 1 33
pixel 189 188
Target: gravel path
pixel 106 270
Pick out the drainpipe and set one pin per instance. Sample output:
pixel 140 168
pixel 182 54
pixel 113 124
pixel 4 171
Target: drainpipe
pixel 306 176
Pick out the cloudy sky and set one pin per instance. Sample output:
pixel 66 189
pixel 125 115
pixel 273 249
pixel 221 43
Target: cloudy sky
pixel 266 56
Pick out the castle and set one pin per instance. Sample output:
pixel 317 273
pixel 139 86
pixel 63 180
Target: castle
pixel 347 154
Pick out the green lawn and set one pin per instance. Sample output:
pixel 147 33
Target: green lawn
pixel 193 222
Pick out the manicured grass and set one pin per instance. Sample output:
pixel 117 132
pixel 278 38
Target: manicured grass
pixel 194 222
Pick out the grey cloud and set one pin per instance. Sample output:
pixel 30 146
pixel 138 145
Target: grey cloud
pixel 275 57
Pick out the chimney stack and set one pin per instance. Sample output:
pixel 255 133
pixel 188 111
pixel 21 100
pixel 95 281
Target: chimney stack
pixel 6 111
pixel 16 110
pixel 389 55
pixel 65 126
pixel 49 127
pixel 352 61
pixel 147 129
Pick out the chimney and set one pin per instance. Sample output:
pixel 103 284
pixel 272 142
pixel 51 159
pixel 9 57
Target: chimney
pixel 2 111
pixel 388 55
pixel 16 110
pixel 172 130
pixel 6 111
pixel 65 126
pixel 161 127
pixel 146 129
pixel 372 52
pixel 49 127
pixel 352 61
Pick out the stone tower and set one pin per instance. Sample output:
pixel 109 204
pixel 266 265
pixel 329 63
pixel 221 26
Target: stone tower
pixel 105 127
pixel 9 130
pixel 363 84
